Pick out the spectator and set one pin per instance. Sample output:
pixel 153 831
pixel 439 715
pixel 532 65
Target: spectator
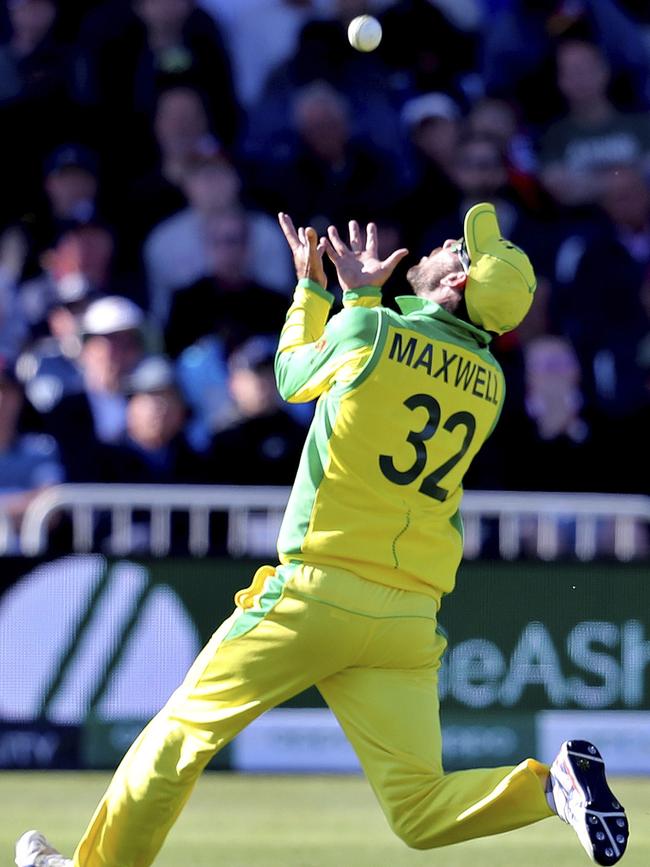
pixel 182 38
pixel 111 330
pixel 561 447
pixel 481 174
pixel 31 62
pixel 433 124
pixel 34 97
pixel 261 36
pixel 432 121
pixel 83 253
pixel 182 130
pixel 593 135
pixel 423 48
pixel 329 173
pixel 154 448
pixel 609 273
pixel 499 119
pixel 227 303
pixel 50 367
pixel 553 440
pixel 28 462
pixel 261 443
pixel 202 375
pixel 13 326
pixel 177 253
pixel 71 184
pixel 160 43
pixel 523 35
pixel 325 56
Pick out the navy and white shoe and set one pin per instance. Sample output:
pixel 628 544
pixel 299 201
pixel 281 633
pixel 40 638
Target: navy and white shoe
pixel 33 850
pixel 584 800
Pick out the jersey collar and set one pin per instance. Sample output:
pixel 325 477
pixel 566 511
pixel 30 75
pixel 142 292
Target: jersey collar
pixel 412 305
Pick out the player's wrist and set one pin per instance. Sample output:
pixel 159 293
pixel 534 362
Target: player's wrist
pixel 315 287
pixel 362 291
pixel 363 296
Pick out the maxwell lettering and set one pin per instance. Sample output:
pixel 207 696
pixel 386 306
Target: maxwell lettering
pixel 452 367
pixel 404 354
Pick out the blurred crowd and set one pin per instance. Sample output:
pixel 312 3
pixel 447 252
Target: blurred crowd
pixel 148 144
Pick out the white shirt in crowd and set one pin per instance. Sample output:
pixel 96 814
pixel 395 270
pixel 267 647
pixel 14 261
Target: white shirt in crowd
pixel 175 256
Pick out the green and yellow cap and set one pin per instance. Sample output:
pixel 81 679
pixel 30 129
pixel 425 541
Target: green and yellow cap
pixel 500 279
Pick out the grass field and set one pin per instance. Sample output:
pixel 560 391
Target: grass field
pixel 240 821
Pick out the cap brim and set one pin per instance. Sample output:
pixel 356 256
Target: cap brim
pixel 481 227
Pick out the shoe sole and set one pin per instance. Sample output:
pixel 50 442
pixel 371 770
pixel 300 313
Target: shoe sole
pixel 605 823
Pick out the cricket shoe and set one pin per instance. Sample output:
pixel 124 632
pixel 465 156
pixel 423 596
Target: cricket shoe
pixel 584 800
pixel 33 850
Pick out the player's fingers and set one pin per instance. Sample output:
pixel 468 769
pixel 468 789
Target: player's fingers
pixel 391 262
pixel 329 249
pixel 355 236
pixel 322 246
pixel 301 236
pixel 288 229
pixel 371 239
pixel 336 241
pixel 311 237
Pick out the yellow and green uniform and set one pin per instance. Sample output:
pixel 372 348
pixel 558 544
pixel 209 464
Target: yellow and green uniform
pixel 405 402
pixel 370 542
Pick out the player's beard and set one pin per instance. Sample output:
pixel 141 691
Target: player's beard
pixel 425 276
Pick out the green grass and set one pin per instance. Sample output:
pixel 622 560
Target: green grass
pixel 241 821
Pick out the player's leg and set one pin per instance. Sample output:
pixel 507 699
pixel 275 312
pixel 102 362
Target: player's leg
pixel 388 708
pixel 274 646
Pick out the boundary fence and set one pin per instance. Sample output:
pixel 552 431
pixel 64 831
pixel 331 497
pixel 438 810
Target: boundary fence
pixel 544 525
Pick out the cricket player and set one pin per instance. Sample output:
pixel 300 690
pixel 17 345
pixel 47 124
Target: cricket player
pixel 370 543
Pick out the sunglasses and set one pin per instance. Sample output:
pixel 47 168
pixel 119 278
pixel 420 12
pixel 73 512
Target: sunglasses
pixel 461 251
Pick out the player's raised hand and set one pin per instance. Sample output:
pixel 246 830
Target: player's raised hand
pixel 306 249
pixel 359 264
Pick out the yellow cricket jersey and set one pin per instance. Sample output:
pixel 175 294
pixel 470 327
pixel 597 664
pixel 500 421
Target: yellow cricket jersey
pixel 405 401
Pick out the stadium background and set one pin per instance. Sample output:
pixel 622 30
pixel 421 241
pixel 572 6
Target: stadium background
pixel 146 147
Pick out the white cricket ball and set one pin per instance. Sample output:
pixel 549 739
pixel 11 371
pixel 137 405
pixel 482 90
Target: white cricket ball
pixel 364 33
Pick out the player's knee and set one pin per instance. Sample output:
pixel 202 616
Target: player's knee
pixel 409 833
pixel 413 840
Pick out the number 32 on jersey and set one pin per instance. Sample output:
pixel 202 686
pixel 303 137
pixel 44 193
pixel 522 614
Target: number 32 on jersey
pixel 434 426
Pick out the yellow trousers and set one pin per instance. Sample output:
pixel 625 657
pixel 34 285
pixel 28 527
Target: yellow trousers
pixel 373 652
